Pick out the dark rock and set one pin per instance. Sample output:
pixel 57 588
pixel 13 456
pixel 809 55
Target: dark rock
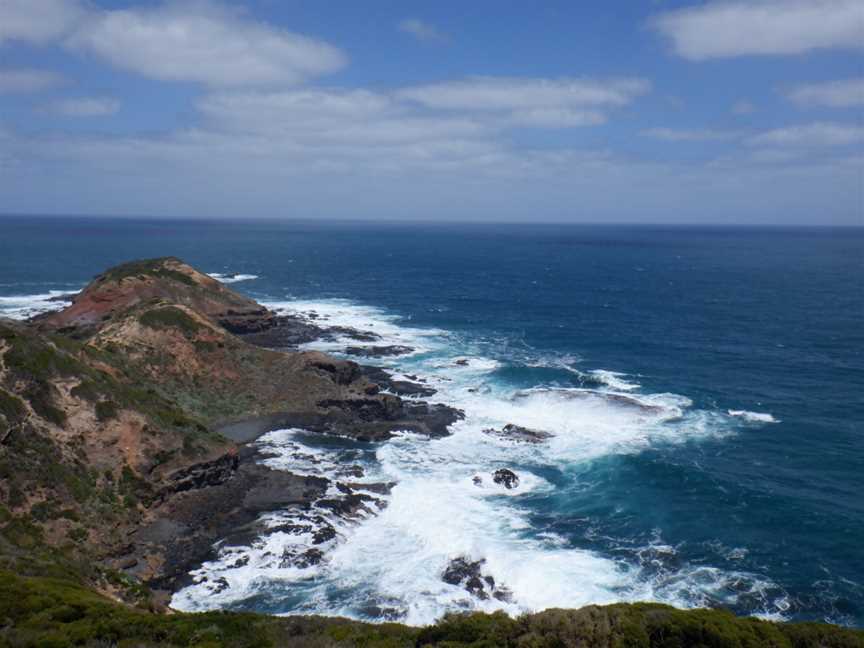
pixel 284 332
pixel 462 362
pixel 66 297
pixel 519 434
pixel 477 480
pixel 349 507
pixel 399 387
pixel 210 473
pixel 406 388
pixel 343 372
pixel 220 585
pixel 468 574
pixel 354 334
pixel 506 478
pixel 308 558
pixel 324 534
pixel 379 351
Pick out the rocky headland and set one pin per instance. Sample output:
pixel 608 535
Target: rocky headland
pixel 127 422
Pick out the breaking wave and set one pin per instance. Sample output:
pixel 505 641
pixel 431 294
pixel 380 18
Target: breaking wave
pixel 445 503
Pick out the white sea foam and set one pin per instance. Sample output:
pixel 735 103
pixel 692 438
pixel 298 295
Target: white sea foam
pixel 25 306
pixel 614 379
pixel 753 417
pixel 229 278
pixel 345 314
pixel 436 512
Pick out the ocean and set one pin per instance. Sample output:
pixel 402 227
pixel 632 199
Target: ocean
pixel 704 386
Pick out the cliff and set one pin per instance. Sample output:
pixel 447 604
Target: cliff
pixel 121 414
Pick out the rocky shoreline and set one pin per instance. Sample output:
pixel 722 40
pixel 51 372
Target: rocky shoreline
pixel 147 393
pixel 227 509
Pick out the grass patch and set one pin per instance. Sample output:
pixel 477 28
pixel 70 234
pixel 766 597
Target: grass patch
pixel 170 317
pixel 146 268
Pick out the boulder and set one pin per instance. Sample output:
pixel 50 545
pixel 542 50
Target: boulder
pixel 506 478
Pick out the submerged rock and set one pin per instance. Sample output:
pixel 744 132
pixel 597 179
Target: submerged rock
pixel 506 478
pixel 519 434
pixel 379 351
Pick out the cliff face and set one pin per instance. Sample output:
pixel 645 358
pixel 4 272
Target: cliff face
pixel 112 408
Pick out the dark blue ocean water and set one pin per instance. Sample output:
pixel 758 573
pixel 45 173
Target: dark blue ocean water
pixel 769 321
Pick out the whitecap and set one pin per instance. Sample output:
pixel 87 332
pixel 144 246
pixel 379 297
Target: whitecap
pixel 753 417
pixel 229 278
pixel 436 512
pixel 26 306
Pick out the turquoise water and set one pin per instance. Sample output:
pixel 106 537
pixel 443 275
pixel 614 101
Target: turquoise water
pixel 741 487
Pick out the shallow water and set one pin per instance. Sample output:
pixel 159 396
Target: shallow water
pixel 703 387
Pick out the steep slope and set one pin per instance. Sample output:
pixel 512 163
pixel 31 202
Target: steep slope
pixel 111 411
pixel 83 454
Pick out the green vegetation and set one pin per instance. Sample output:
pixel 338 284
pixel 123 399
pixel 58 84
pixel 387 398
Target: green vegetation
pixel 59 613
pixel 12 412
pixel 145 268
pixel 168 317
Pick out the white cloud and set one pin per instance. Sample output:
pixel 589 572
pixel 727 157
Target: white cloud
pixel 328 119
pixel 816 135
pixel 85 107
pixel 38 21
pixel 204 42
pixel 26 80
pixel 735 28
pixel 680 135
pixel 833 94
pixel 421 30
pixel 511 93
pixel 556 118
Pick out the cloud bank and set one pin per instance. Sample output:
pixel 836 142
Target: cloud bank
pixel 763 27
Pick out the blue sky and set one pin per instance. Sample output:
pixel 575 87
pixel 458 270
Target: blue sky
pixel 682 112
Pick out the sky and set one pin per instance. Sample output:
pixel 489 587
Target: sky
pixel 615 111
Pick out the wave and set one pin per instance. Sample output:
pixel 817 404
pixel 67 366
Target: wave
pixel 446 505
pixel 26 306
pixel 229 278
pixel 753 417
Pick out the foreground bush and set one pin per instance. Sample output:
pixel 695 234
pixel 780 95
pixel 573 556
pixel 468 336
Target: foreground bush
pixel 54 613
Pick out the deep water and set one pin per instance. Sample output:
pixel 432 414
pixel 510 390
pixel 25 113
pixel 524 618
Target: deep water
pixel 741 485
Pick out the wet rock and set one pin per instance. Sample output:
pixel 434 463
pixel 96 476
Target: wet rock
pixel 462 362
pixel 324 534
pixel 379 351
pixel 385 381
pixel 354 334
pixel 349 507
pixel 351 471
pixel 519 434
pixel 469 575
pixel 506 478
pixel 477 480
pixel 308 558
pixel 219 585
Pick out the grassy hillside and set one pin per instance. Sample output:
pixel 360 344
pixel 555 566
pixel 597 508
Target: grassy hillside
pixel 54 613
